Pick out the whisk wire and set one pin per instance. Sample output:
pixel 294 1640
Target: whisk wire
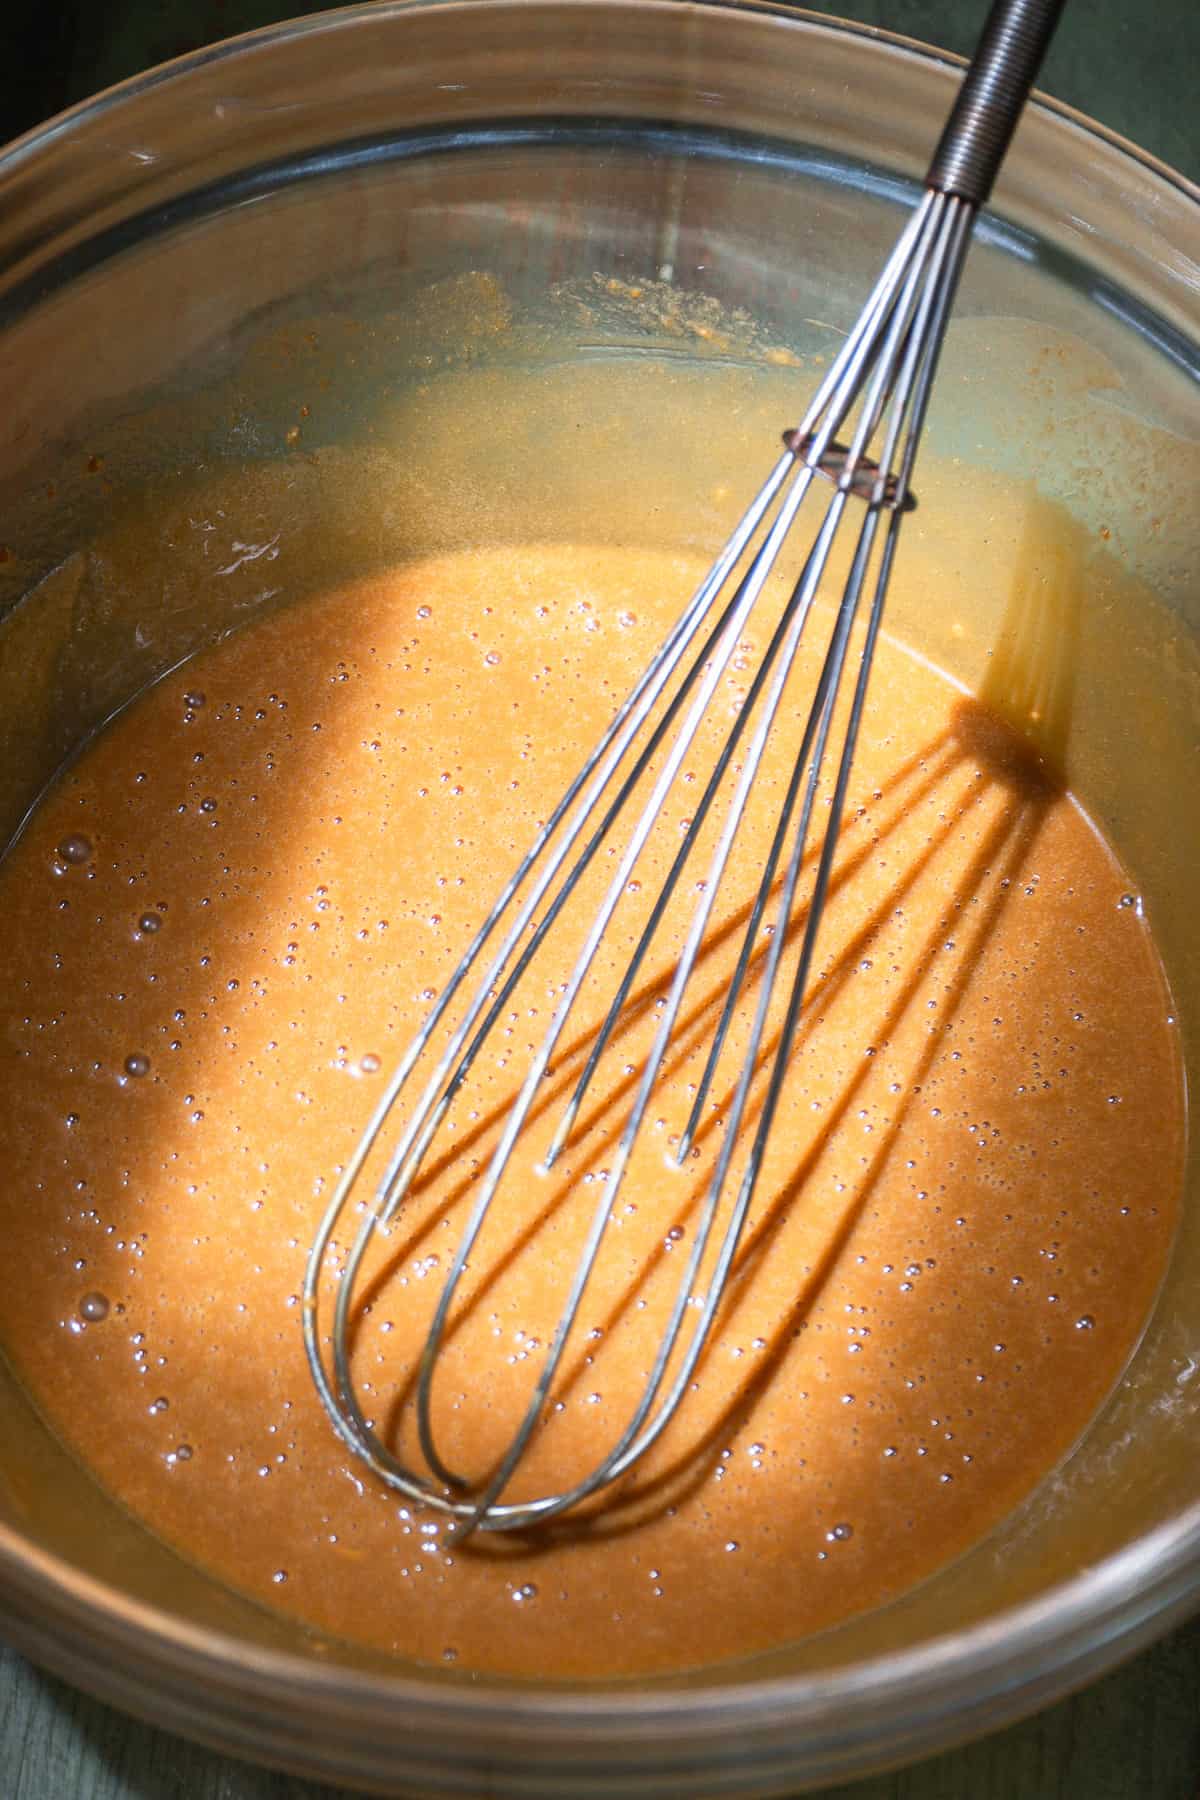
pixel 915 378
pixel 890 324
pixel 877 400
pixel 785 638
pixel 710 671
pixel 787 633
pixel 604 758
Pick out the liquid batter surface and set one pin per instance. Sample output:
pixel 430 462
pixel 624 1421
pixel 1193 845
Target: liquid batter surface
pixel 226 921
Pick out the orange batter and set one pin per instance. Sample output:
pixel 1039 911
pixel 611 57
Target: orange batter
pixel 228 917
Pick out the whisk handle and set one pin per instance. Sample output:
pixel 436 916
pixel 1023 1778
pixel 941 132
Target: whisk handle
pixel 994 90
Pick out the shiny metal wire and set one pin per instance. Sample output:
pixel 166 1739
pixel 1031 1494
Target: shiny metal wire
pixel 876 394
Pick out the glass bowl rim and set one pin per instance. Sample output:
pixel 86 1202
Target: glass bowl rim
pixel 1022 1656
pixel 41 136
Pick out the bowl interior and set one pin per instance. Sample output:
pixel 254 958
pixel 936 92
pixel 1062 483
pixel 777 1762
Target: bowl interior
pixel 395 203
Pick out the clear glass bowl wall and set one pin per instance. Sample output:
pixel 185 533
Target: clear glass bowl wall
pixel 334 169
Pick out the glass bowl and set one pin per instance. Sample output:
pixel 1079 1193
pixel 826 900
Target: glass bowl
pixel 332 170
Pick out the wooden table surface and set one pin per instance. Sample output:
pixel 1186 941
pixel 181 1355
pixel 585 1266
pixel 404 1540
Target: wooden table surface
pixel 1136 1734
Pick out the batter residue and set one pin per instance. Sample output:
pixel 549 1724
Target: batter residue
pixel 228 917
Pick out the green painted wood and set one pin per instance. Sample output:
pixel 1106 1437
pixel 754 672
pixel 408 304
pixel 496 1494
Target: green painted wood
pixel 1134 1735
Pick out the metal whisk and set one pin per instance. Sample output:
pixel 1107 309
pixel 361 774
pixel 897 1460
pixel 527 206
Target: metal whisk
pixel 875 395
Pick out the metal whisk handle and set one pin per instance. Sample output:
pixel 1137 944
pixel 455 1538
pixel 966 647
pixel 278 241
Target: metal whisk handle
pixel 994 90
